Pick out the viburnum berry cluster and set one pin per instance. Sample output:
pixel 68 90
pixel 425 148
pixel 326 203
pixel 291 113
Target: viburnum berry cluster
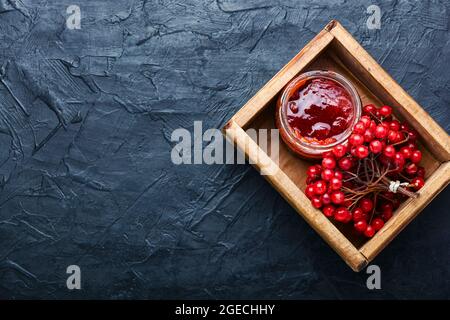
pixel 363 180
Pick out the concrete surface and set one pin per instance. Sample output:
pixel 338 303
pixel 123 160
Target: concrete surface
pixel 85 173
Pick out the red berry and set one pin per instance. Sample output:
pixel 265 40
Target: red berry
pixel 313 171
pixel 377 224
pixel 412 146
pixel 388 119
pixel 359 128
pixel 417 184
pixel 362 152
pixel 406 152
pixel 404 126
pixel 376 146
pixel 385 111
pixel 337 197
pixel 325 198
pixel 335 183
pixel 327 174
pixel 365 120
pixel 360 226
pixel 339 175
pixel 368 135
pixel 387 206
pixel 353 152
pixel 392 136
pixel 328 210
pixel 385 160
pixel 310 180
pixel 328 163
pixel 320 187
pixel 342 215
pixel 386 215
pixel 328 154
pixel 310 191
pixel 389 151
pixel 411 169
pixel 345 163
pixel 356 139
pixel 386 211
pixel 399 161
pixel 394 125
pixel 366 204
pixel 412 135
pixel 381 132
pixel 368 109
pixel 339 151
pixel 358 215
pixel 347 203
pixel 416 156
pixel 316 202
pixel 421 172
pixel 369 232
pixel 378 114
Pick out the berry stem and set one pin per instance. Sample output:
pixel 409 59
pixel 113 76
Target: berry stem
pixel 371 180
pixel 400 189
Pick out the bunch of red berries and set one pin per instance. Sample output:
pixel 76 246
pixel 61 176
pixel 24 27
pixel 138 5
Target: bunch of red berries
pixel 365 179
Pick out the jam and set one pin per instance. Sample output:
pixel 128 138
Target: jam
pixel 316 111
pixel 320 110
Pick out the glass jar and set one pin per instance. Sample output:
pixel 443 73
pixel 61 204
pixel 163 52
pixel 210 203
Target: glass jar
pixel 316 111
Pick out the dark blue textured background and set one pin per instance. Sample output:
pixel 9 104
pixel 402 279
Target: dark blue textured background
pixel 85 170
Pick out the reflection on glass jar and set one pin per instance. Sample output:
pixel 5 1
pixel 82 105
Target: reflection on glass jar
pixel 316 111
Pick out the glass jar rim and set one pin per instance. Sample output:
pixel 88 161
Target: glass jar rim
pixel 313 148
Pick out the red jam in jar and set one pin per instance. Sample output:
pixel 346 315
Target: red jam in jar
pixel 316 111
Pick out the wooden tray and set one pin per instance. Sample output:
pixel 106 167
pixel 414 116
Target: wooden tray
pixel 335 49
